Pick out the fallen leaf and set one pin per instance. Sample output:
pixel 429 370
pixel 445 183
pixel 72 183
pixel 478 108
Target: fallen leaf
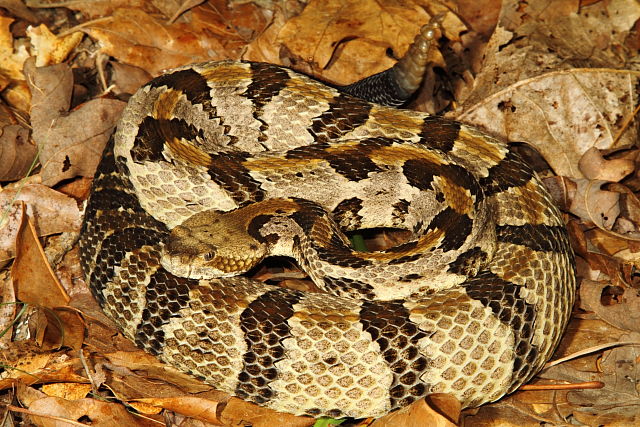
pixel 22 360
pixel 19 9
pixel 50 49
pixel 344 41
pixel 562 114
pixel 15 91
pixel 438 410
pixel 137 38
pixel 151 367
pixel 127 78
pixel 194 407
pixel 99 8
pixel 31 273
pixel 72 142
pixel 51 411
pixel 8 309
pixel 239 412
pixel 16 151
pixel 69 391
pixel 51 211
pixel 623 315
pixel 265 47
pixel 594 166
pixel 11 61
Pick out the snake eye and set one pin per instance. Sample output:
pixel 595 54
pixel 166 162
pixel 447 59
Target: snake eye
pixel 208 256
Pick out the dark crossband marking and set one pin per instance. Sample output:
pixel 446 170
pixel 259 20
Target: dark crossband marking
pixel 456 227
pixel 508 173
pixel 468 263
pixel 341 257
pixel 154 133
pixel 505 300
pixel 346 213
pixel 227 170
pixel 420 173
pixel 165 295
pixel 266 83
pixel 537 237
pixel 439 133
pixel 114 249
pixel 110 198
pixel 344 114
pixel 348 287
pixel 406 258
pixel 389 325
pixel 354 166
pixel 265 327
pixel 190 83
pixel 149 142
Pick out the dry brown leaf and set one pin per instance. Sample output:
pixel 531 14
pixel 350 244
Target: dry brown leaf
pixel 19 9
pixel 72 142
pixel 137 38
pixel 22 360
pixel 127 78
pixel 344 41
pixel 50 49
pixel 10 223
pixel 238 412
pixel 150 366
pixel 194 407
pixel 586 199
pixel 606 242
pixel 438 410
pixel 26 363
pixel 532 39
pixel 563 114
pixel 624 315
pixel 31 273
pixel 52 411
pixel 265 47
pixel 615 367
pixel 15 90
pixel 65 327
pixel 16 151
pixel 78 189
pixel 8 308
pixel 69 391
pixel 11 60
pixel 594 166
pixel 593 204
pixel 96 8
pixel 535 86
pixel 618 402
pixel 51 211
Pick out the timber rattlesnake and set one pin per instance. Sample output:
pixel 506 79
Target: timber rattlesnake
pixel 473 304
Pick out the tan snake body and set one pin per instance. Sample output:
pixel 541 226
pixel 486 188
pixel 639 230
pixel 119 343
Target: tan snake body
pixel 473 304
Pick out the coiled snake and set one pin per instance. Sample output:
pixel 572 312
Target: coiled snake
pixel 217 165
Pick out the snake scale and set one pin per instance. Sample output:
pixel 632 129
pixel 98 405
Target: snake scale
pixel 215 166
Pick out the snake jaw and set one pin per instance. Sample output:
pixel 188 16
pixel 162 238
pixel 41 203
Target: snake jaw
pixel 203 247
pixel 207 265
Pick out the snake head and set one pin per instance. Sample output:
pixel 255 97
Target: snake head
pixel 206 246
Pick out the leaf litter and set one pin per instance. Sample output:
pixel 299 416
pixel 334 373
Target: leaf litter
pixel 560 77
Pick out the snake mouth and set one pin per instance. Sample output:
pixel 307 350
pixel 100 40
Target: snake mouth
pixel 207 265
